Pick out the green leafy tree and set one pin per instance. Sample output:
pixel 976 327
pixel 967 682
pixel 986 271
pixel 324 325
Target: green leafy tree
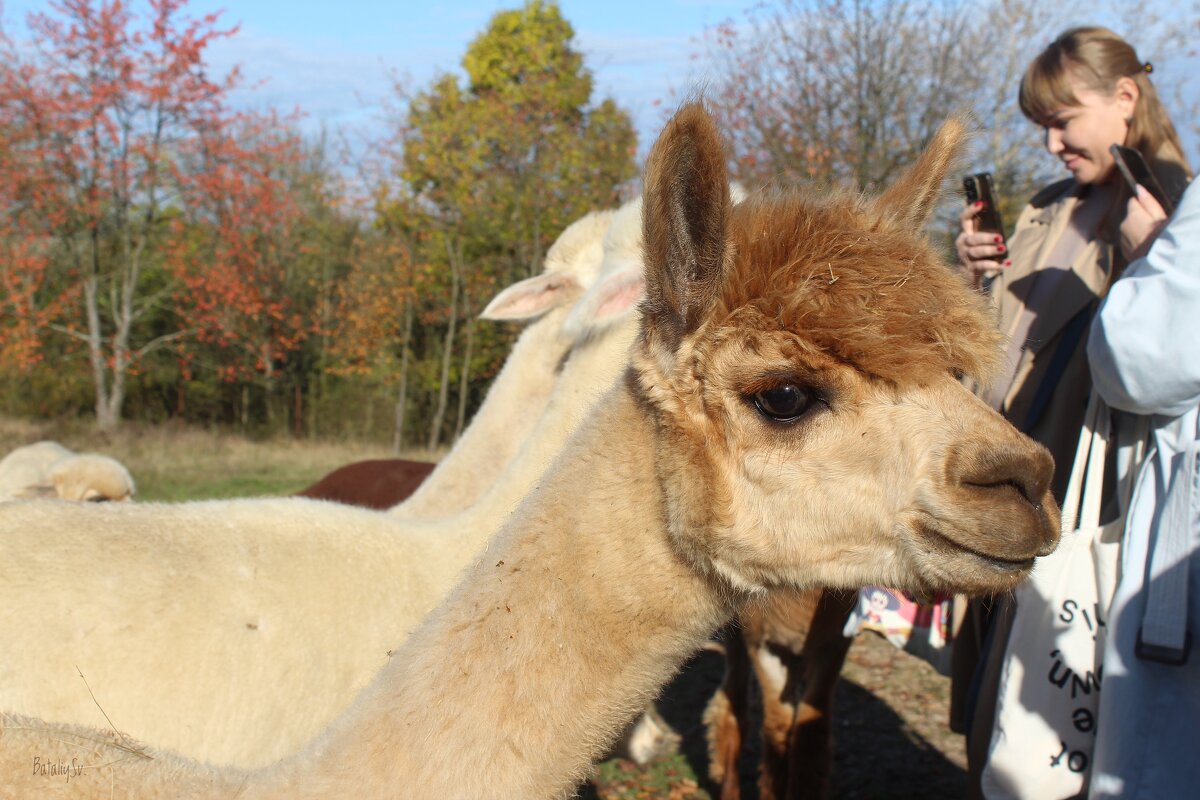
pixel 496 167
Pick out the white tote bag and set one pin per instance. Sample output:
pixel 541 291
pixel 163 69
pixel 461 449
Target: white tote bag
pixel 1045 726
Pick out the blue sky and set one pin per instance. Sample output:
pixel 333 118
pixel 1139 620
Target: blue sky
pixel 334 59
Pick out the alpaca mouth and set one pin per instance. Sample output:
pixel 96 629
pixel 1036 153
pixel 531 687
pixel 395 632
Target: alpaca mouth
pixel 996 562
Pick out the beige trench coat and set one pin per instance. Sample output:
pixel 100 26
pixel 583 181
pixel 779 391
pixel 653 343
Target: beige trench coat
pixel 1050 409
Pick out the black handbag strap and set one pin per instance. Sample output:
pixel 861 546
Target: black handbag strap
pixel 1069 339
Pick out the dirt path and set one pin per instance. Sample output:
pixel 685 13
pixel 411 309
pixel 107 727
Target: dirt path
pixel 891 738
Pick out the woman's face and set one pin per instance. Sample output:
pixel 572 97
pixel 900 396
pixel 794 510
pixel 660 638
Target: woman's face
pixel 1080 135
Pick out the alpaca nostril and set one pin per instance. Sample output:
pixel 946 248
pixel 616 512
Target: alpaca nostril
pixel 1008 484
pixel 1023 468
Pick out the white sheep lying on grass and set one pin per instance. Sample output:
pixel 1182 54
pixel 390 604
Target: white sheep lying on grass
pixel 235 631
pixel 47 469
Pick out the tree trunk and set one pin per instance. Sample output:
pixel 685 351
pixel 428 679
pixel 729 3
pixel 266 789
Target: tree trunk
pixel 318 388
pixel 270 391
pixel 464 382
pixel 402 395
pixel 109 396
pixel 297 410
pixel 435 430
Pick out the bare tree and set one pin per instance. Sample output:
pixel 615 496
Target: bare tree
pixel 840 91
pixel 846 91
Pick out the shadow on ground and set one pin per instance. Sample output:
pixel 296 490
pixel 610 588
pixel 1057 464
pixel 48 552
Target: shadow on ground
pixel 890 734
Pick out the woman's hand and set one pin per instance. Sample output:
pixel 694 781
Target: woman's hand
pixel 1144 218
pixel 979 252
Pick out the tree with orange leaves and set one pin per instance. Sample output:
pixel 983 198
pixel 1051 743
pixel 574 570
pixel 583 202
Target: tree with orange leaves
pixel 136 208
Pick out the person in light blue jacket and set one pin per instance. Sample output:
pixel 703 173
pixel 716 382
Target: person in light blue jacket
pixel 1144 353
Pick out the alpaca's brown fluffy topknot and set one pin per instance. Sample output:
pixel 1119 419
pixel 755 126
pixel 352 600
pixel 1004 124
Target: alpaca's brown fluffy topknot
pixel 859 285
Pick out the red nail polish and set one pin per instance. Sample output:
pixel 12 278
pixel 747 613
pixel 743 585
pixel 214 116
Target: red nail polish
pixel 1007 263
pixel 999 239
pixel 1000 248
pixel 979 204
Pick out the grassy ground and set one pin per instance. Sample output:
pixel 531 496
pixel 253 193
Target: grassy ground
pixel 174 463
pixel 891 739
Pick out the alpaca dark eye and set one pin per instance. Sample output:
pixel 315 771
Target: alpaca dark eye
pixel 783 403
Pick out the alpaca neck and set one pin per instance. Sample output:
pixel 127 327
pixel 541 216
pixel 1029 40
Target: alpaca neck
pixel 593 368
pixel 509 412
pixel 578 613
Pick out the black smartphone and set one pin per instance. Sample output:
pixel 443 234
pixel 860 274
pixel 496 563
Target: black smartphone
pixel 1133 168
pixel 979 187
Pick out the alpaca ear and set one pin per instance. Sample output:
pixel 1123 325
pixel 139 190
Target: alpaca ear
pixel 615 296
pixel 619 294
pixel 911 199
pixel 685 218
pixel 533 296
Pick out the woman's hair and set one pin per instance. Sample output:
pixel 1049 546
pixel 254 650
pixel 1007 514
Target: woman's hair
pixel 1096 58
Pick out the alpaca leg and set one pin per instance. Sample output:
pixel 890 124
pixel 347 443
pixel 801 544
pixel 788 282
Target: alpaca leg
pixel 810 745
pixel 725 717
pixel 647 739
pixel 778 671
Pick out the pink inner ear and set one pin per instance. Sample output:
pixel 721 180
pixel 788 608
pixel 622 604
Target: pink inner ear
pixel 529 302
pixel 526 299
pixel 622 297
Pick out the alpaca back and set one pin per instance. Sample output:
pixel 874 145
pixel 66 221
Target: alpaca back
pixel 231 630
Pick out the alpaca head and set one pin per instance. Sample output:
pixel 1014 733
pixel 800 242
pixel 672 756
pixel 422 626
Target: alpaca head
pixel 802 358
pixel 571 266
pixel 91 478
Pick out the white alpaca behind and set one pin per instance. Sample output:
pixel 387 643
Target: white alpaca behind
pixel 26 467
pixel 196 626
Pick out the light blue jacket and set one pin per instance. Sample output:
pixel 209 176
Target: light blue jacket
pixel 1144 352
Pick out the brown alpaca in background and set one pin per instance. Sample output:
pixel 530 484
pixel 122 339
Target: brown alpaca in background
pixel 377 483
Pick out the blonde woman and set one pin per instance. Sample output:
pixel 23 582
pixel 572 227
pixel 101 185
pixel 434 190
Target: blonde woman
pixel 1086 91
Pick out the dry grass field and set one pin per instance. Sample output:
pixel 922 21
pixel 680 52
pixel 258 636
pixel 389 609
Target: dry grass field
pixel 176 463
pixel 891 709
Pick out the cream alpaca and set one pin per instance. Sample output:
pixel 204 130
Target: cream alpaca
pixel 47 469
pixel 296 598
pixel 775 430
pixel 518 395
pixel 91 478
